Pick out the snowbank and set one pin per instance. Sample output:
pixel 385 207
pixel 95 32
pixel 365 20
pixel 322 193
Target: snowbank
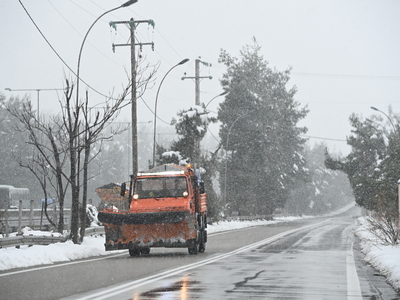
pixel 385 259
pixel 92 246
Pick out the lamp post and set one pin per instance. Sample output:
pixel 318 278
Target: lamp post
pixel 126 4
pixel 398 182
pixel 226 148
pixel 390 120
pixel 155 107
pixel 222 94
pixel 31 90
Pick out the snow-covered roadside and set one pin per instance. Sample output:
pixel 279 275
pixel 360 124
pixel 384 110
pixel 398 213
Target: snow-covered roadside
pixel 91 246
pixel 385 259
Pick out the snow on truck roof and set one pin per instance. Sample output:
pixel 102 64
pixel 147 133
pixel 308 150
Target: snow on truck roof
pixel 167 169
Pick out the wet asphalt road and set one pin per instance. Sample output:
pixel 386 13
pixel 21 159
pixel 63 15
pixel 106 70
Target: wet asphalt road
pixel 317 262
pixel 308 259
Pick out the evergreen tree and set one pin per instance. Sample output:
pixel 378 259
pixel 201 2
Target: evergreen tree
pixel 368 148
pixel 372 166
pixel 259 134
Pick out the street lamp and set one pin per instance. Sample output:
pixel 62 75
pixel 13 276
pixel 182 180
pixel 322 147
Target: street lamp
pixel 390 120
pixel 126 4
pixel 30 90
pixel 222 94
pixel 155 107
pixel 226 148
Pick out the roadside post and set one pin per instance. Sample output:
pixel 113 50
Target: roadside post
pixel 20 217
pixel 398 197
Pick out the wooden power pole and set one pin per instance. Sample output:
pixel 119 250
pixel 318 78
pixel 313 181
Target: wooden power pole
pixel 197 78
pixel 132 25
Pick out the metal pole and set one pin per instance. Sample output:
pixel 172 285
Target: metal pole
pixel 38 95
pixel 197 81
pixel 226 149
pixel 31 224
pixel 38 114
pixel 155 108
pixel 20 217
pixel 222 94
pixel 126 4
pixel 398 196
pixel 390 120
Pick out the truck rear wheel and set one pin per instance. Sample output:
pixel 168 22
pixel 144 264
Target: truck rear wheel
pixel 145 250
pixel 134 252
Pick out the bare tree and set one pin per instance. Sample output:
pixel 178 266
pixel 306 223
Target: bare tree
pixel 68 139
pixel 83 130
pixel 49 155
pixel 39 169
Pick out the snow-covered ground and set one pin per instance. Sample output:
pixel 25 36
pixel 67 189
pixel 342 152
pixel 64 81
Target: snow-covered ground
pixel 386 259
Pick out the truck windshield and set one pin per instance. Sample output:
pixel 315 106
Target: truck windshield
pixel 159 187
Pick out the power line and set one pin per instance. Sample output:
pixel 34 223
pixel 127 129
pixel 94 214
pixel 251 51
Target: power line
pixel 59 56
pixel 345 76
pixel 322 138
pixel 69 23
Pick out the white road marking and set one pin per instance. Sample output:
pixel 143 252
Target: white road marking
pixel 353 283
pixel 122 288
pixel 60 265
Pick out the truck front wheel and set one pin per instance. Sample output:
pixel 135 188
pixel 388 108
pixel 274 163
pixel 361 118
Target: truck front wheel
pixel 203 240
pixel 193 250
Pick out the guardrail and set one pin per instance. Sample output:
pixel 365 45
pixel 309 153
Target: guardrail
pixel 94 230
pixel 17 241
pixel 13 220
pixel 20 240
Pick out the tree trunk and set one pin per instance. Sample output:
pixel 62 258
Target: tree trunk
pixel 85 188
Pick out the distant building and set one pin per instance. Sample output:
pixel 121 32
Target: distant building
pixel 10 196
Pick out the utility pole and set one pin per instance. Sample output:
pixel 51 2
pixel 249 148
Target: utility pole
pixel 38 91
pixel 197 78
pixel 132 25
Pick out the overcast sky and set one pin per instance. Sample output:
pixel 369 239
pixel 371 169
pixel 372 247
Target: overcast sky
pixel 344 55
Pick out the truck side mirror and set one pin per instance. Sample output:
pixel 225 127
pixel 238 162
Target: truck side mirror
pixel 123 189
pixel 202 187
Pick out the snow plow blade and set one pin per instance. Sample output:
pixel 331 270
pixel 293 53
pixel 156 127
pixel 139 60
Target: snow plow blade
pixel 139 230
pixel 141 218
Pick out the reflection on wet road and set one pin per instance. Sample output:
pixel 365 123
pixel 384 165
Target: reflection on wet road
pixel 304 265
pixel 315 262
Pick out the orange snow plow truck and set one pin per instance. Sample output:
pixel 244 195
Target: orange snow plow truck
pixel 168 208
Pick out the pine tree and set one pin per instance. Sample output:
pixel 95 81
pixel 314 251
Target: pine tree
pixel 368 148
pixel 259 134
